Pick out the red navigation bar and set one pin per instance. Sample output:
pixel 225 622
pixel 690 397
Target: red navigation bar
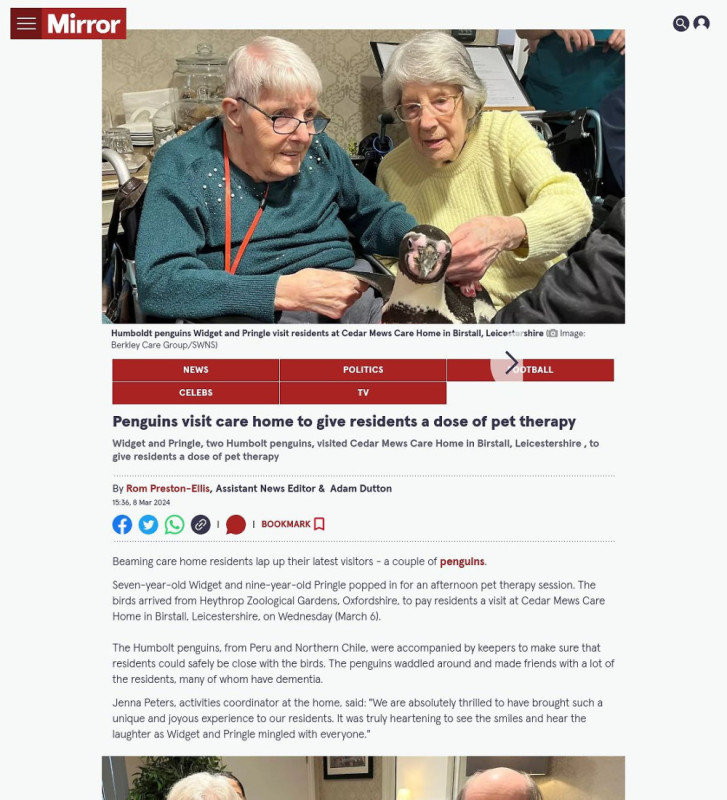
pixel 320 381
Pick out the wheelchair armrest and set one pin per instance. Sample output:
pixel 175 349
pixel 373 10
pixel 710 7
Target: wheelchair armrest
pixel 118 163
pixel 376 265
pixel 374 262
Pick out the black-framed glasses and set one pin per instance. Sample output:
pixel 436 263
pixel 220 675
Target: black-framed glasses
pixel 285 125
pixel 440 107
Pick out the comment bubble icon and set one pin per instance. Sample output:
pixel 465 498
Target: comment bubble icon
pixel 236 524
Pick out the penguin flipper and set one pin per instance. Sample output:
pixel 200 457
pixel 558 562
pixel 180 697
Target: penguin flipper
pixel 469 310
pixel 484 308
pixel 461 307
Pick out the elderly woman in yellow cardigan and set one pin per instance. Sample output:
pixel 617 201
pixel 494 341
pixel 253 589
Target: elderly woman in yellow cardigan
pixel 486 178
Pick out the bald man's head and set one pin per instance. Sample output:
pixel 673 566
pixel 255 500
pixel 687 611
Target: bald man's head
pixel 500 784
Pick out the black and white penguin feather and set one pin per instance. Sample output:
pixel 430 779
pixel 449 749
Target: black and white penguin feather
pixel 420 294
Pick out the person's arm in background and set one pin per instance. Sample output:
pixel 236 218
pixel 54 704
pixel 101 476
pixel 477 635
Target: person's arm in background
pixel 574 39
pixel 533 38
pixel 616 41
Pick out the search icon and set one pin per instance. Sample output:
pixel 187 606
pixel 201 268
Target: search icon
pixel 681 23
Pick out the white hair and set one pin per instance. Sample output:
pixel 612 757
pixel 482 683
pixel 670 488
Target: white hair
pixel 203 786
pixel 433 57
pixel 271 64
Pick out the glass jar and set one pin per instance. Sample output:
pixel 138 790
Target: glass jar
pixel 118 139
pixel 174 119
pixel 200 76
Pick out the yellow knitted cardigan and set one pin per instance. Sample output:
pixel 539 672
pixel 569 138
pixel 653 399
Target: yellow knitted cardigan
pixel 504 169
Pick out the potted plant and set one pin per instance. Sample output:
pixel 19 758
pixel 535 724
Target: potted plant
pixel 354 155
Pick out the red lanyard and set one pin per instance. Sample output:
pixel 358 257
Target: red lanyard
pixel 231 268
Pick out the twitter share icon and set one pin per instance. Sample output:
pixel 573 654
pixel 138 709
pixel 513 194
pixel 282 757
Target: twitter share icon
pixel 148 524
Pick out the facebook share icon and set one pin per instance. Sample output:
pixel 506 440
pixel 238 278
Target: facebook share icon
pixel 121 524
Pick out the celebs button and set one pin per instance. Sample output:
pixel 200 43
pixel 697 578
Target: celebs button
pixel 142 393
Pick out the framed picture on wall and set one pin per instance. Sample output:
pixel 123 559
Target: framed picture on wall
pixel 348 767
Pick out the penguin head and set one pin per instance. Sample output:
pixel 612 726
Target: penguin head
pixel 424 254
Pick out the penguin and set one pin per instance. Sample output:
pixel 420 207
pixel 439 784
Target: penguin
pixel 419 293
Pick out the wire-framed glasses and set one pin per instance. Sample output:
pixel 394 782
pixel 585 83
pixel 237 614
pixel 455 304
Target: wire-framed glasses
pixel 439 107
pixel 285 125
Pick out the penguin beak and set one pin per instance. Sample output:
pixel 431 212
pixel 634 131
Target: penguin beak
pixel 427 259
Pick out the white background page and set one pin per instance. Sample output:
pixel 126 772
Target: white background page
pixel 660 420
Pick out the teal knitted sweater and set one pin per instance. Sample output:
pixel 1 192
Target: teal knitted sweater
pixel 306 223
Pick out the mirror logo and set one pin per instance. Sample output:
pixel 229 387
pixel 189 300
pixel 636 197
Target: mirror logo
pixel 67 23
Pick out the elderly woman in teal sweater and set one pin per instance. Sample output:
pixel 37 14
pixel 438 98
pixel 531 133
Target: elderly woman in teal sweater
pixel 250 214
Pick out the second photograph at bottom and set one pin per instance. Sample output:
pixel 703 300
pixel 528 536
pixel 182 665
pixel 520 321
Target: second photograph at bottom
pixel 338 777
